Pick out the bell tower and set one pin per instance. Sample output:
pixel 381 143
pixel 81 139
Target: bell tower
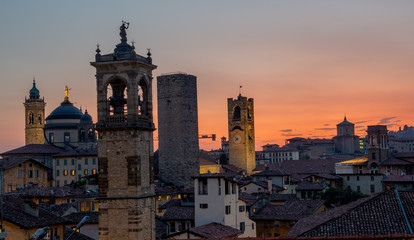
pixel 35 117
pixel 125 142
pixel 377 146
pixel 241 133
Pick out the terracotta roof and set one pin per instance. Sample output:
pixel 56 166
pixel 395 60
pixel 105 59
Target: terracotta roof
pixel 283 197
pixel 405 155
pixel 306 185
pixel 215 230
pixel 399 178
pixel 271 172
pixel 10 162
pixel 14 212
pixel 292 209
pixel 163 190
pixel 249 199
pixel 78 152
pixel 171 203
pixel 160 227
pixel 76 217
pixel 35 149
pixel 228 176
pixel 59 192
pixel 379 214
pixel 394 161
pixel 304 166
pixel 179 213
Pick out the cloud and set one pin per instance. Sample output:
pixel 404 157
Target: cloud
pixel 286 130
pixel 325 129
pixel 326 124
pixel 291 135
pixel 360 127
pixel 385 120
pixel 362 122
pixel 397 121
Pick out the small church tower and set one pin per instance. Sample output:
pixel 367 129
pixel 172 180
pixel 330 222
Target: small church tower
pixel 34 117
pixel 377 146
pixel 125 143
pixel 346 142
pixel 241 133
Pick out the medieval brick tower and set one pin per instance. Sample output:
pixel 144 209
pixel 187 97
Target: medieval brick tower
pixel 241 133
pixel 178 129
pixel 35 117
pixel 125 143
pixel 377 146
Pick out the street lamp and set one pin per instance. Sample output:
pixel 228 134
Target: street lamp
pixel 80 224
pixel 40 233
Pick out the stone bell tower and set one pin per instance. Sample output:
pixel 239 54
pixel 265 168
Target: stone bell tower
pixel 125 142
pixel 35 117
pixel 241 133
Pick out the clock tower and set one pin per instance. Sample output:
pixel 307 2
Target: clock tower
pixel 241 133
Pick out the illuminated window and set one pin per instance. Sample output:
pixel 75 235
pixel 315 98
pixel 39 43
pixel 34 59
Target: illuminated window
pixel 93 171
pixel 65 172
pixel 72 172
pixel 86 171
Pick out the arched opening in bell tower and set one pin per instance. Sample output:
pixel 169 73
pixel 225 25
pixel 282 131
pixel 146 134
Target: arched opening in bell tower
pixel 236 113
pixel 117 101
pixel 142 98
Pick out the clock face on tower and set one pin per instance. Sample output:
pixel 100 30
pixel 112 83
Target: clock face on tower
pixel 237 139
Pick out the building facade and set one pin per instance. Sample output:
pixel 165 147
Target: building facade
pixel 241 133
pixel 178 129
pixel 125 143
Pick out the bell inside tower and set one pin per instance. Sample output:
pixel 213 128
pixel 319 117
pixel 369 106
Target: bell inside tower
pixel 117 101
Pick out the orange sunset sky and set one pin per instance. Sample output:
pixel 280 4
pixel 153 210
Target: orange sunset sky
pixel 305 63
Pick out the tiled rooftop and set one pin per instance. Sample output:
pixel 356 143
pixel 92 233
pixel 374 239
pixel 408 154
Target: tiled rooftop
pixel 35 149
pixel 215 230
pixel 379 214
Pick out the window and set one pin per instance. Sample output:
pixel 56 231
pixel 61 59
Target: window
pixel 226 187
pixel 358 188
pixel 57 162
pixel 93 160
pixel 242 226
pixel 72 172
pixel 86 172
pixel 66 137
pixel 372 178
pixel 252 225
pixel 73 162
pixel 57 183
pixel 65 172
pixel 20 174
pixel 51 138
pixel 172 227
pixel 347 178
pixel 374 156
pixel 93 171
pixel 30 174
pixel 242 208
pixel 37 173
pixel 65 182
pixel 86 161
pixel 276 224
pixel 357 178
pixel 65 162
pixel 57 172
pixel 203 205
pixel 227 209
pixel 79 167
pixel 202 187
pixel 372 188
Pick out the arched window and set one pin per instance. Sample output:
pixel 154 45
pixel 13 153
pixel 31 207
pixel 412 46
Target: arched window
pixel 117 101
pixel 236 113
pixel 39 118
pixel 142 98
pixel 31 118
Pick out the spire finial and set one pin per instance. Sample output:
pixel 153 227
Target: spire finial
pixel 97 49
pixel 345 117
pixel 67 89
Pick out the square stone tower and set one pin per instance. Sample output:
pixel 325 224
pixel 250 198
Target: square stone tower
pixel 125 143
pixel 178 129
pixel 377 146
pixel 34 117
pixel 241 133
